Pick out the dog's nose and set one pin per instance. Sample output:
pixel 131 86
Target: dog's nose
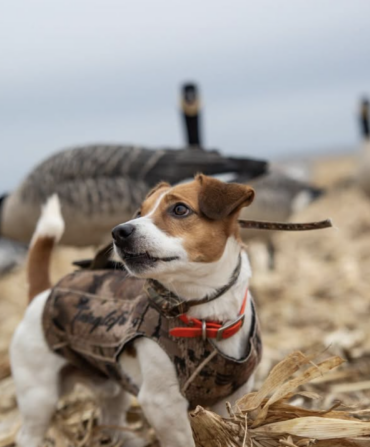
pixel 122 232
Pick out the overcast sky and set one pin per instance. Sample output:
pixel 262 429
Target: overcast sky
pixel 276 77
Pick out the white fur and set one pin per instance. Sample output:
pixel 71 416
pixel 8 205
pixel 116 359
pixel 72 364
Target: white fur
pixel 36 369
pixel 157 243
pixel 51 222
pixel 36 374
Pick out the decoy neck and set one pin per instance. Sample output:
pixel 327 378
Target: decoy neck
pixel 364 119
pixel 190 107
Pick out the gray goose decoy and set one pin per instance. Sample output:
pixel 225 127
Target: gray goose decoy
pixel 363 170
pixel 102 185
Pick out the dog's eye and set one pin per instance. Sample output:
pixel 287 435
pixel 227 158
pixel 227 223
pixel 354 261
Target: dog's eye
pixel 181 210
pixel 137 214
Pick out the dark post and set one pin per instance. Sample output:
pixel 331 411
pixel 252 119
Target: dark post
pixel 190 105
pixel 364 119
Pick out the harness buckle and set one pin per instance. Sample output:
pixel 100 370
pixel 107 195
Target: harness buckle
pixel 228 325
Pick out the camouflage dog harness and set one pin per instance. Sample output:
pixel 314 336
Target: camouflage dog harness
pixel 91 317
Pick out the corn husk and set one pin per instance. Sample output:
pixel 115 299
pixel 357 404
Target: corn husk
pixel 265 417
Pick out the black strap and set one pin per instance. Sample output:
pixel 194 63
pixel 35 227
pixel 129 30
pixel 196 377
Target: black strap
pixel 101 260
pixel 171 305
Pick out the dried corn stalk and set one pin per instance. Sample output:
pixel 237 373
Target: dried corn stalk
pixel 266 419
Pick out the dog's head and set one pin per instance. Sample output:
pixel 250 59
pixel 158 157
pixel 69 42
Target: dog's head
pixel 187 223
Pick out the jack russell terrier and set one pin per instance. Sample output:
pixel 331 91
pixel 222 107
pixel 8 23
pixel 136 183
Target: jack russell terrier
pixel 177 328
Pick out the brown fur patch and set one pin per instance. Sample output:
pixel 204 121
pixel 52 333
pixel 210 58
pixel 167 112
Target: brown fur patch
pixel 38 265
pixel 218 200
pixel 215 207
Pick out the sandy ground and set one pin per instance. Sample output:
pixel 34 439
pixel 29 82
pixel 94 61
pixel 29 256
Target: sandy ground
pixel 317 299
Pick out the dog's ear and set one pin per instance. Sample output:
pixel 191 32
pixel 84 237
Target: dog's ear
pixel 218 200
pixel 157 187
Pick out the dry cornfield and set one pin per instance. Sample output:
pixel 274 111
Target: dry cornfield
pixel 314 311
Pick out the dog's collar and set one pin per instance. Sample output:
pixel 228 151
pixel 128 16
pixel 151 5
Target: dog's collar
pixel 210 329
pixel 171 305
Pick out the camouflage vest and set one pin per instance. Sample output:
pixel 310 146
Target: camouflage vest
pixel 91 317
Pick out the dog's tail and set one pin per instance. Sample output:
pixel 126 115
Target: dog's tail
pixel 48 232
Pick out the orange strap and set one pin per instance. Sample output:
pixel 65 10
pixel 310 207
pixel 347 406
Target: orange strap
pixel 211 327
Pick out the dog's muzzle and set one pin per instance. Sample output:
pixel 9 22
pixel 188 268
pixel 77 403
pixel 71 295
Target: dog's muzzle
pixel 131 251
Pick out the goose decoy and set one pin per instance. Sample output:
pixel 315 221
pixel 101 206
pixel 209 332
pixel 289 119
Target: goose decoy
pixel 102 185
pixel 363 170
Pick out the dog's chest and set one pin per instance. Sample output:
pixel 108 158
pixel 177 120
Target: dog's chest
pixel 92 317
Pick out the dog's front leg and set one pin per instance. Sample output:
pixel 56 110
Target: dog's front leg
pixel 220 407
pixel 163 404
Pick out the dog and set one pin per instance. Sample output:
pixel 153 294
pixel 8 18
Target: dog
pixel 177 327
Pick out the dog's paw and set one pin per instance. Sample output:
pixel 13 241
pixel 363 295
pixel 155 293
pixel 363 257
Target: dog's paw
pixel 25 439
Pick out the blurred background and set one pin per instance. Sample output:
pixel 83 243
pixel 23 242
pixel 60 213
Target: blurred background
pixel 277 78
